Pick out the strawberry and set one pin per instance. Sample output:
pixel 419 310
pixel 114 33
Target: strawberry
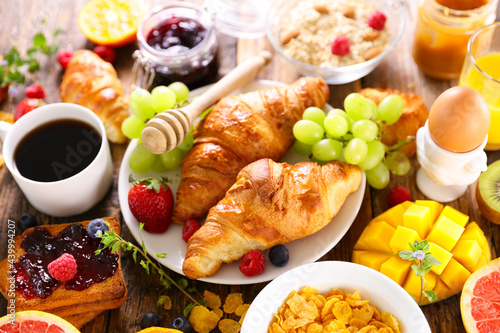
pixel 26 105
pixel 150 201
pixel 35 90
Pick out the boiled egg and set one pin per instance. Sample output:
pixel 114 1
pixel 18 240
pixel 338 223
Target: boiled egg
pixel 459 119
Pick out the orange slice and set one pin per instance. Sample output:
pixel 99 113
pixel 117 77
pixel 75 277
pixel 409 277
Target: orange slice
pixel 35 322
pixel 111 22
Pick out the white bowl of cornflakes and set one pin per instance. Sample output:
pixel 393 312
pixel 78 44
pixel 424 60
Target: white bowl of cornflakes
pixel 309 296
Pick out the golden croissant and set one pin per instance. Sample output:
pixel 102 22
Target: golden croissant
pixel 92 82
pixel 240 130
pixel 270 203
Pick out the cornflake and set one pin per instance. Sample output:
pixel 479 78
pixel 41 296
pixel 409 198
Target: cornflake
pixel 213 300
pixel 233 301
pixel 202 319
pixel 229 326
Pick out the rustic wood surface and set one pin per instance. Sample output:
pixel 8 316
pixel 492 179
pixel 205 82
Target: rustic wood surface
pixel 21 19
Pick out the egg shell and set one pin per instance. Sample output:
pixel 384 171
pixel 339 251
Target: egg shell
pixel 459 119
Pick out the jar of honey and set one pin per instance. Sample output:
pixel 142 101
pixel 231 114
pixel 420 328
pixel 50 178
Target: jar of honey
pixel 443 30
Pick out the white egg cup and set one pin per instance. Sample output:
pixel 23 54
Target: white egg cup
pixel 444 176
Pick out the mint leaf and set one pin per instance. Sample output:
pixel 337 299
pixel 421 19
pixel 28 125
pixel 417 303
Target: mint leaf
pixel 134 255
pixel 183 283
pixel 430 294
pixel 39 40
pixel 188 309
pixel 406 255
pixel 431 260
pixel 161 255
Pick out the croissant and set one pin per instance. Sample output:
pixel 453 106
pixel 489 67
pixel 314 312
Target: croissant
pixel 240 130
pixel 92 82
pixel 270 203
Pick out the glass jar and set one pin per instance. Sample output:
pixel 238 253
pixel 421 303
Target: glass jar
pixel 177 42
pixel 443 30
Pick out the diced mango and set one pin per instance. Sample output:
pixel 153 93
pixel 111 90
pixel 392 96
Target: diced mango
pixel 394 215
pixel 379 236
pixel 440 254
pixel 480 262
pixel 362 244
pixel 418 218
pixel 454 275
pixel 458 217
pixel 396 268
pixel 413 283
pixel 473 232
pixel 402 239
pixel 374 259
pixel 442 291
pixel 445 232
pixel 467 252
pixel 356 255
pixel 434 206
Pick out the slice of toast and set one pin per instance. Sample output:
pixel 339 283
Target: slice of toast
pixel 78 307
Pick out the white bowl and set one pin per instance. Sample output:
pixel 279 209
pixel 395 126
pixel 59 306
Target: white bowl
pixel 278 15
pixel 385 294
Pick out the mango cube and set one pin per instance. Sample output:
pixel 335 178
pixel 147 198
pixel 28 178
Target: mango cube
pixel 379 236
pixel 356 255
pixel 396 268
pixel 445 232
pixel 467 252
pixel 362 244
pixel 440 254
pixel 374 259
pixel 473 232
pixel 458 217
pixel 443 291
pixel 419 219
pixel 394 215
pixel 413 283
pixel 454 275
pixel 434 206
pixel 480 262
pixel 402 238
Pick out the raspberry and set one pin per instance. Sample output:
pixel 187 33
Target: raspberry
pixel 377 20
pixel 64 56
pixel 35 91
pixel 63 268
pixel 189 229
pixel 397 195
pixel 253 263
pixel 341 46
pixel 105 52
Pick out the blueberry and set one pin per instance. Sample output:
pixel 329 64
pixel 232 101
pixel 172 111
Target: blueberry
pixel 182 324
pixel 26 221
pixel 278 255
pixel 96 225
pixel 150 319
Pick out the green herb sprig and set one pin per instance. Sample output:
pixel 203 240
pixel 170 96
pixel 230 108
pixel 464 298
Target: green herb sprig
pixel 423 262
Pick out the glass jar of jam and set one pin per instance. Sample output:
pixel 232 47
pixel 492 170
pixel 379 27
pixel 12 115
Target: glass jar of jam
pixel 443 30
pixel 177 42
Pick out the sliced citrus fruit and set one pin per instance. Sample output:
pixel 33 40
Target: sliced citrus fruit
pixel 159 330
pixel 111 22
pixel 480 300
pixel 35 322
pixel 458 244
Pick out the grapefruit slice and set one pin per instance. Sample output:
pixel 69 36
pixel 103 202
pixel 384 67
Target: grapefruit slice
pixel 480 300
pixel 35 322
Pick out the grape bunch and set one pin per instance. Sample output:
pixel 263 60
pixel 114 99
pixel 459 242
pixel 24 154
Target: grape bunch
pixel 353 136
pixel 144 106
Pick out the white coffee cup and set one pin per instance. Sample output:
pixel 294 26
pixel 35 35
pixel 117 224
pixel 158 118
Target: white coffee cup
pixel 69 196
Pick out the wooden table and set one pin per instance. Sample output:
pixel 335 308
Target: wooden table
pixel 21 19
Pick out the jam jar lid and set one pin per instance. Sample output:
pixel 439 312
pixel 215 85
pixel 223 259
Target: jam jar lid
pixel 239 18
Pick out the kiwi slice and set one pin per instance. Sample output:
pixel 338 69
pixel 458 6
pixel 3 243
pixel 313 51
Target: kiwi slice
pixel 488 193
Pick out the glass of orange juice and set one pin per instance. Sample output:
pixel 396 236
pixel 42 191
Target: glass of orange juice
pixel 481 71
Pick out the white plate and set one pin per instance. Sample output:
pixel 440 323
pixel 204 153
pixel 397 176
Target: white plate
pixel 302 251
pixel 382 292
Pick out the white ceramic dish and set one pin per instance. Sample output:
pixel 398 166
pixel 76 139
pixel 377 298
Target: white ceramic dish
pixel 382 292
pixel 302 251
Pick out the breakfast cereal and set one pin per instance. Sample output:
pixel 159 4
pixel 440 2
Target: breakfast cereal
pixel 313 25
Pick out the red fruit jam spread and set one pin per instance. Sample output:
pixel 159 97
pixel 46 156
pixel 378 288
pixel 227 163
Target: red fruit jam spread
pixel 31 272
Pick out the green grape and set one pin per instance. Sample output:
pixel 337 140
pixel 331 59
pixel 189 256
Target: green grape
pixel 314 159
pixel 390 109
pixel 357 107
pixel 398 163
pixel 302 149
pixel 141 159
pixel 376 152
pixel 172 159
pixel 315 114
pixel 365 130
pixel 188 141
pixel 378 177
pixel 348 137
pixel 180 90
pixel 307 131
pixel 162 98
pixel 327 150
pixel 158 165
pixel 140 104
pixel 374 109
pixel 336 125
pixel 132 127
pixel 355 151
pixel 343 114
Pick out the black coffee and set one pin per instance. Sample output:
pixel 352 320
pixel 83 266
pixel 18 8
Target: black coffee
pixel 57 150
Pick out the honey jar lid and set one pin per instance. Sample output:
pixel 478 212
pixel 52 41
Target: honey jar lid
pixel 239 18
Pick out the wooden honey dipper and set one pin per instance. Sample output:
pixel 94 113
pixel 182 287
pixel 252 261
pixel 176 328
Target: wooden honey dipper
pixel 167 130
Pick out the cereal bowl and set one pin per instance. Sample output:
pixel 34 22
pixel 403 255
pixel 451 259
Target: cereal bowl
pixel 305 39
pixel 383 293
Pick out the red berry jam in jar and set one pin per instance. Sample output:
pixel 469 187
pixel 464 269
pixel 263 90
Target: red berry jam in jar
pixel 178 43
